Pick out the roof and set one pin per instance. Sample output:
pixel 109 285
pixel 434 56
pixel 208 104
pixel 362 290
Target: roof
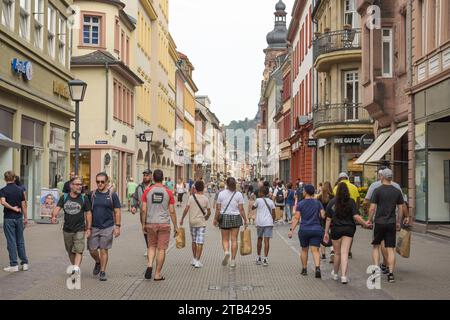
pixel 102 58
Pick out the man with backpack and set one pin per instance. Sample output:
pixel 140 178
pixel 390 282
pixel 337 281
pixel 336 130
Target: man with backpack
pixel 278 198
pixel 77 223
pixel 298 193
pixel 106 216
pixel 137 199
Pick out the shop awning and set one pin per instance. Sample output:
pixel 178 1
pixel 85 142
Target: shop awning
pixel 7 142
pixel 380 153
pixel 373 148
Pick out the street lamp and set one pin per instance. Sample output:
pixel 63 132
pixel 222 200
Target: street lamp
pixel 148 138
pixel 77 90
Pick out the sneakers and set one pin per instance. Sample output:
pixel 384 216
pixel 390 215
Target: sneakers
pixel 25 267
pixel 193 262
pixel 384 269
pixel 11 269
pixel 304 272
pixel 258 260
pixel 226 258
pixel 334 275
pixel 76 274
pixel 265 262
pixel 233 264
pixel 391 278
pixel 318 273
pixel 198 264
pixel 344 280
pixel 148 273
pixel 332 257
pixel 96 270
pixel 103 276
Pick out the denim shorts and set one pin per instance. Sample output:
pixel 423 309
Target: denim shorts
pixel 310 238
pixel 264 232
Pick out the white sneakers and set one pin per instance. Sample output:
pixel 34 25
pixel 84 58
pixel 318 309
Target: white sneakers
pixel 344 280
pixel 226 258
pixel 258 260
pixel 233 264
pixel 265 262
pixel 198 264
pixel 334 275
pixel 193 262
pixel 25 267
pixel 11 269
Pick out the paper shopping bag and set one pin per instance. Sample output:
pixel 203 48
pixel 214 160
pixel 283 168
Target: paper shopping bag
pixel 404 243
pixel 246 242
pixel 181 238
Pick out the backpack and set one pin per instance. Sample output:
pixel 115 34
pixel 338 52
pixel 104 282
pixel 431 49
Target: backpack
pixel 280 196
pixel 299 193
pixel 92 198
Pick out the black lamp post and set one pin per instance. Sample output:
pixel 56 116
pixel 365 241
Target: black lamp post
pixel 77 90
pixel 149 138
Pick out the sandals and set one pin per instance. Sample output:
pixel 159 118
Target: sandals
pixel 160 279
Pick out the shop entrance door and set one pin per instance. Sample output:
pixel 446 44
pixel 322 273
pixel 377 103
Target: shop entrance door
pixel 31 177
pixel 438 184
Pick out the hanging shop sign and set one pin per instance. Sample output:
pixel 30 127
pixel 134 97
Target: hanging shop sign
pixel 347 140
pixel 367 140
pixel 312 143
pixel 24 68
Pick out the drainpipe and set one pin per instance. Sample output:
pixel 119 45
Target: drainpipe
pixel 107 96
pixel 316 79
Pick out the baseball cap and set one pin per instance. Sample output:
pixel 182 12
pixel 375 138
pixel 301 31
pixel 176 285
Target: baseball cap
pixel 343 175
pixel 147 171
pixel 387 173
pixel 309 189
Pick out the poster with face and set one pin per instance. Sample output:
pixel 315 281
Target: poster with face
pixel 49 199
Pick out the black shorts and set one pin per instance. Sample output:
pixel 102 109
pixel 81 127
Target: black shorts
pixel 180 197
pixel 386 233
pixel 337 232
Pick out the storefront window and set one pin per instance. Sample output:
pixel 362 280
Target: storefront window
pixel 421 186
pixel 115 168
pixel 6 123
pixel 84 168
pixel 27 137
pixel 348 155
pixel 58 156
pixel 129 163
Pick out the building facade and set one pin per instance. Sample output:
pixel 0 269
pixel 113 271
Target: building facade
pixel 35 106
pixel 300 35
pixel 339 120
pixel 104 59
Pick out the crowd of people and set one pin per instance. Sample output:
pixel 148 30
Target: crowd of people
pixel 327 216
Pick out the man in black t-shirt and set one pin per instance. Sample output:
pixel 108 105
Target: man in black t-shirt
pixel 15 220
pixel 383 205
pixel 77 222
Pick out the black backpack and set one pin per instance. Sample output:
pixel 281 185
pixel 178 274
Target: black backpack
pixel 299 193
pixel 280 196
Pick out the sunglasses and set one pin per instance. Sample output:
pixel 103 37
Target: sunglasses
pixel 101 182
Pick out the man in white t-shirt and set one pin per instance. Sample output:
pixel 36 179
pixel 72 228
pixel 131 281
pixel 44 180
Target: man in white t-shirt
pixel 265 215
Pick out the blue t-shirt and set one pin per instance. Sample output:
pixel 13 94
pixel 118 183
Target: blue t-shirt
pixel 310 214
pixel 13 195
pixel 103 209
pixel 290 201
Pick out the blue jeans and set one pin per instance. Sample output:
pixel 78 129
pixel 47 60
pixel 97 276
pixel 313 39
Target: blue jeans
pixel 288 211
pixel 13 229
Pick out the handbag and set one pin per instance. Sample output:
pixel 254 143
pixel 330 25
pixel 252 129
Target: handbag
pixel 246 242
pixel 181 238
pixel 403 247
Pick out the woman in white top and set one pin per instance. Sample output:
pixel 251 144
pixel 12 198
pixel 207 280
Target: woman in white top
pixel 230 215
pixel 180 191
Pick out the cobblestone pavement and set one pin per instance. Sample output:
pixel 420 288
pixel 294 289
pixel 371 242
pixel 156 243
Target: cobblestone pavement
pixel 423 276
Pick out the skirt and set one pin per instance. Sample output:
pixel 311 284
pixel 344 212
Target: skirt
pixel 229 221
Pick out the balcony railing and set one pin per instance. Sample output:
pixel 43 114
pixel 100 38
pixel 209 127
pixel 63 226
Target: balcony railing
pixel 342 113
pixel 347 39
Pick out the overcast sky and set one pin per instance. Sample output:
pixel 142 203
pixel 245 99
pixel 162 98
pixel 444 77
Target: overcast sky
pixel 224 40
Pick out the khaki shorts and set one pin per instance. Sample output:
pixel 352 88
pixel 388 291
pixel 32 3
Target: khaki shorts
pixel 158 235
pixel 74 242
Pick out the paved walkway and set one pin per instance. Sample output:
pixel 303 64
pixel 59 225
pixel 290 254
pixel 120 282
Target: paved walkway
pixel 423 276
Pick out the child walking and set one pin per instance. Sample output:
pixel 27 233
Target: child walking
pixel 199 211
pixel 265 216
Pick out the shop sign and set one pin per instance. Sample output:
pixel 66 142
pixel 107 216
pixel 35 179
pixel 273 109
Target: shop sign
pixel 312 143
pixel 24 68
pixel 101 142
pixel 367 140
pixel 347 140
pixel 61 89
